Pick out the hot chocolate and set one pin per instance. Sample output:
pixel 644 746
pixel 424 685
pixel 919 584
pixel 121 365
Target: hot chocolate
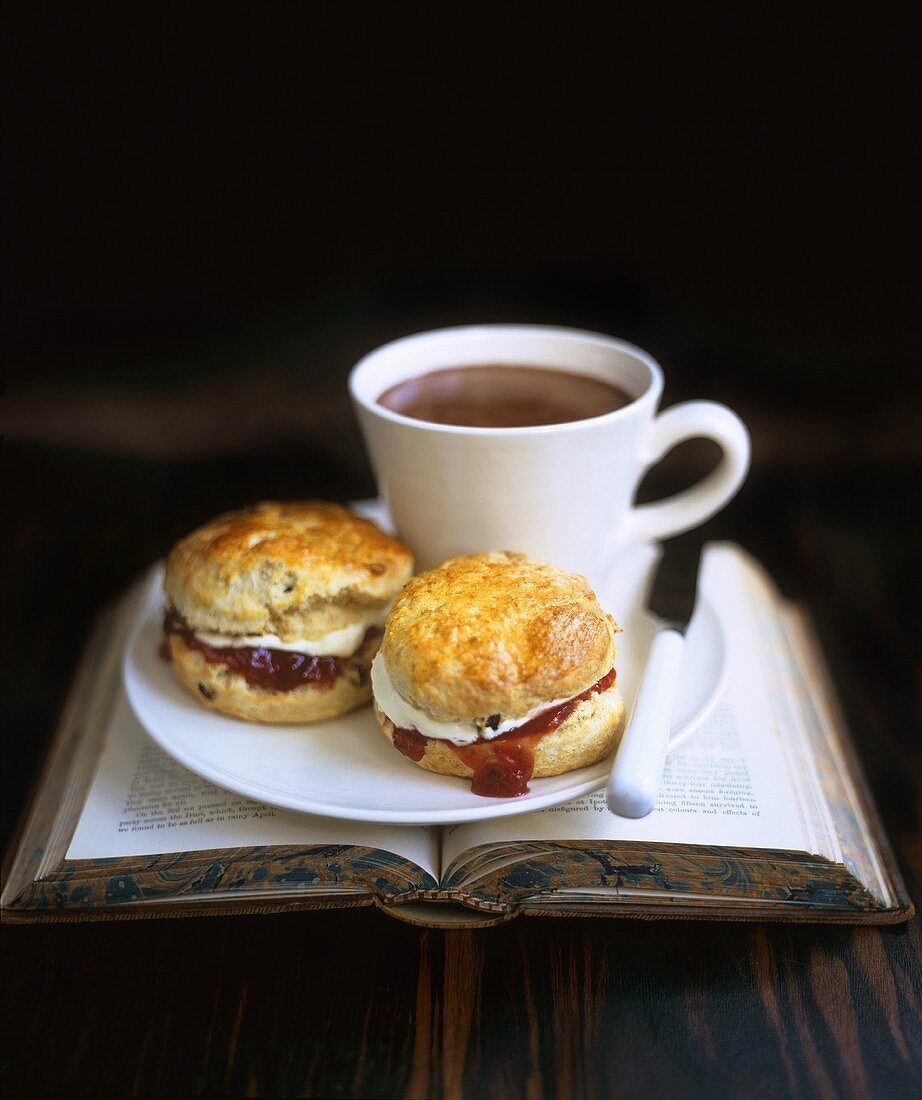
pixel 503 395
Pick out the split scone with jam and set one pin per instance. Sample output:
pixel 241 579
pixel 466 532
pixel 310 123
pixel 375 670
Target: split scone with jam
pixel 274 612
pixel 498 668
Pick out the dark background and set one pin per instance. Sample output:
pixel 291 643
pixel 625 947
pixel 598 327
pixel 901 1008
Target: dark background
pixel 210 215
pixel 248 203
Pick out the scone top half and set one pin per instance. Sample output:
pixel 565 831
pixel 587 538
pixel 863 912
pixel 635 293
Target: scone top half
pixel 295 572
pixel 482 643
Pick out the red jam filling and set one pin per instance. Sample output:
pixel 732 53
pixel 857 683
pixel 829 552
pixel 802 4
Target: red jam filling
pixel 277 669
pixel 502 767
pixel 410 742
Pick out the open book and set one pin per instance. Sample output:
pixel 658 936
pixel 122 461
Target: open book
pixel 762 815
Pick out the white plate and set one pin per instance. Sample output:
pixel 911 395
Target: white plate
pixel 344 768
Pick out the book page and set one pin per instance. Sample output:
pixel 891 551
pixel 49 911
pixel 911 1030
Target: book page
pixel 142 803
pixel 728 784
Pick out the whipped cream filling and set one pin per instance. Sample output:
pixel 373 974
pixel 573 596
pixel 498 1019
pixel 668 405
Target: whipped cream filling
pixel 406 716
pixel 337 643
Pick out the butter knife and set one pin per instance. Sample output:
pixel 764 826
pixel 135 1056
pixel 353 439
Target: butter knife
pixel 637 772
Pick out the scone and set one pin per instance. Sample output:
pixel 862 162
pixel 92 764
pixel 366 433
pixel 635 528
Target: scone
pixel 275 612
pixel 498 668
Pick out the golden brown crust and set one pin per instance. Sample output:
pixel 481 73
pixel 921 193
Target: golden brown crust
pixel 496 633
pixel 295 570
pixel 588 735
pixel 216 687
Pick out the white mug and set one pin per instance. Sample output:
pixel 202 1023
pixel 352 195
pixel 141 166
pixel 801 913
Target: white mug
pixel 561 493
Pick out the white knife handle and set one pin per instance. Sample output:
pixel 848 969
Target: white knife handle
pixel 635 778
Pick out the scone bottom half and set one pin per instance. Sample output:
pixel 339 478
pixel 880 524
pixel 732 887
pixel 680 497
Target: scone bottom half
pixel 266 685
pixel 275 612
pixel 499 669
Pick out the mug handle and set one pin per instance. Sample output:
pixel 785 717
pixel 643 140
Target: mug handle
pixel 691 507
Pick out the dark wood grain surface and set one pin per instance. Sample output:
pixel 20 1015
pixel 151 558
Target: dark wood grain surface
pixel 352 1003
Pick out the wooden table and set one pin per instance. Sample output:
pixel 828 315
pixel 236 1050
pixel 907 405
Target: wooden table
pixel 354 1004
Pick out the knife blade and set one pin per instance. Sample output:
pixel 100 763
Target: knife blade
pixel 637 772
pixel 674 592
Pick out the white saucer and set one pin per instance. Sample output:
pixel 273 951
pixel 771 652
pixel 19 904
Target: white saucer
pixel 344 768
